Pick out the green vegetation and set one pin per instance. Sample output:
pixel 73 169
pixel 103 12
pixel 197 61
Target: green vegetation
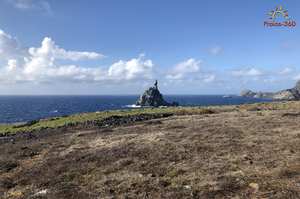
pixel 95 116
pixel 77 119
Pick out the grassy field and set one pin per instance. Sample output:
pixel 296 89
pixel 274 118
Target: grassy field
pixel 78 119
pixel 222 152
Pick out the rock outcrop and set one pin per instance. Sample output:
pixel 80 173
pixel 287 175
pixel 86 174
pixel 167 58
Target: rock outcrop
pixel 288 94
pixel 152 97
pixel 249 93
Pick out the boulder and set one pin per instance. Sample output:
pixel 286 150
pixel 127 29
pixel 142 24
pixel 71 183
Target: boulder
pixel 153 97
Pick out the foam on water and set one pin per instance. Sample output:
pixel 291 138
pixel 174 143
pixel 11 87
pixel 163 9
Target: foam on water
pixel 133 106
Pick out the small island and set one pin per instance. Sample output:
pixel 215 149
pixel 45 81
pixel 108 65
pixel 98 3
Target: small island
pixel 153 98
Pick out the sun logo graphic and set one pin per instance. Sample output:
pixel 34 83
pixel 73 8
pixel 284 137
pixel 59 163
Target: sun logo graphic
pixel 279 12
pixel 279 17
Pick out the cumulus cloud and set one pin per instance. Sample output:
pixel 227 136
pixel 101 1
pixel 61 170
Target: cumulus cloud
pixel 136 68
pixel 49 48
pixel 41 5
pixel 190 70
pixel 43 64
pixel 184 69
pixel 249 72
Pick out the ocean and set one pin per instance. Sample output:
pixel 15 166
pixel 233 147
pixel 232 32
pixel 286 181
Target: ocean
pixel 26 108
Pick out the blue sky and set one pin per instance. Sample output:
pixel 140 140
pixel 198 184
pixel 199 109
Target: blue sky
pixel 120 47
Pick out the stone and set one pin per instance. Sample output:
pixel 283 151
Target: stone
pixel 153 97
pixel 254 186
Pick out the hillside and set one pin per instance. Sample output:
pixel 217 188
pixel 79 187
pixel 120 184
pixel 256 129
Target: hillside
pixel 247 151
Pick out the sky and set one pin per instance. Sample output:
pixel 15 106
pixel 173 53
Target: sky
pixel 101 47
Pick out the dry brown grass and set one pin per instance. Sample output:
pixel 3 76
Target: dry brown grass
pixel 232 152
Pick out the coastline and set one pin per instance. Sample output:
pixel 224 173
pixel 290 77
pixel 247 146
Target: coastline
pixel 89 120
pixel 24 109
pixel 86 120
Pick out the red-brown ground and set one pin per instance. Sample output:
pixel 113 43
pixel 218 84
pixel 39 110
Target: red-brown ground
pixel 246 152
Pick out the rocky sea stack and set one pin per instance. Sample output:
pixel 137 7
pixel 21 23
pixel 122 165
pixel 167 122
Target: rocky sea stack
pixel 152 97
pixel 288 94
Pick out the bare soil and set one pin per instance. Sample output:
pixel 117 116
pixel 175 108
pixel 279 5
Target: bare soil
pixel 242 153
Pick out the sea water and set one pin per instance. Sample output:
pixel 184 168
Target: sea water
pixel 26 108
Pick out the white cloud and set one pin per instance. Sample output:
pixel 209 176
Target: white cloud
pixel 8 45
pixel 216 50
pixel 43 64
pixel 286 71
pixel 190 70
pixel 41 5
pixel 76 73
pixel 11 65
pixel 209 78
pixel 41 61
pixel 50 49
pixel 249 72
pixel 184 69
pixel 136 68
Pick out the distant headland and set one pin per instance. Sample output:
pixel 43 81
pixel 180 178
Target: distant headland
pixel 287 94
